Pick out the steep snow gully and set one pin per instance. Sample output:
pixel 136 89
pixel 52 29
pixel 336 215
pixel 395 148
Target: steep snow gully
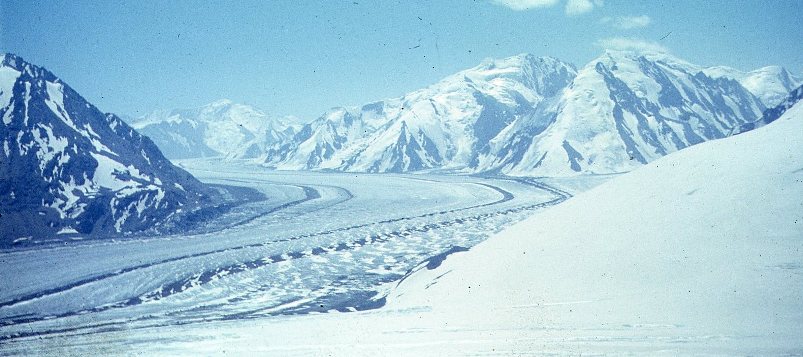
pixel 263 257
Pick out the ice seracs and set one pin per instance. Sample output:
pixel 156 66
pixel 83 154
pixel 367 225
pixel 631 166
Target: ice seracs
pixel 67 168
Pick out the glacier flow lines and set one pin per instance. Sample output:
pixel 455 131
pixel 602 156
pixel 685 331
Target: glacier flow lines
pixel 330 243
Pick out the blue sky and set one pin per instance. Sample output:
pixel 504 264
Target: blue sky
pixel 303 57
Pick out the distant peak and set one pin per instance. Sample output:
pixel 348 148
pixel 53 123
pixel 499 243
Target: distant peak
pixel 524 56
pixel 774 70
pixel 724 69
pixel 335 114
pixel 623 53
pixel 633 53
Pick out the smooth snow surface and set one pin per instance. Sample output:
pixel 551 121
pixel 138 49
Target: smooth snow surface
pixel 700 252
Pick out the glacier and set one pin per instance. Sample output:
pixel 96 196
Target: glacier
pixel 366 231
pixel 322 242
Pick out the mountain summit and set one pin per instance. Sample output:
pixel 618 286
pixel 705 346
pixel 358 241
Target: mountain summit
pixel 770 84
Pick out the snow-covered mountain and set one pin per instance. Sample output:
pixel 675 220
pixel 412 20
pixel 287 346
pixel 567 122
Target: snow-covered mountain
pixel 446 125
pixel 623 110
pixel 222 128
pixel 528 115
pixel 68 168
pixel 770 84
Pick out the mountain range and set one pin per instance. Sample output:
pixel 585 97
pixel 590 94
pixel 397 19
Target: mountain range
pixel 522 115
pixel 69 169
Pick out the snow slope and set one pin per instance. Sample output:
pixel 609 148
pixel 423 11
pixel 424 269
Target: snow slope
pixel 69 169
pixel 222 128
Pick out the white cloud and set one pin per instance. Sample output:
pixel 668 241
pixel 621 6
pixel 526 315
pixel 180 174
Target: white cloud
pixel 521 5
pixel 573 7
pixel 628 22
pixel 577 7
pixel 631 44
